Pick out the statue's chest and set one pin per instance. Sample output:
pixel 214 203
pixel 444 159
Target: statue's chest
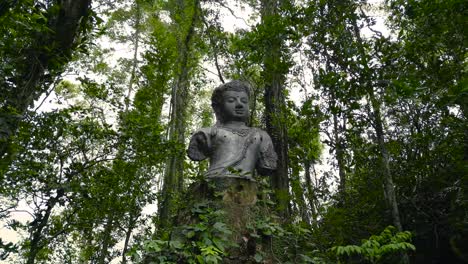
pixel 227 141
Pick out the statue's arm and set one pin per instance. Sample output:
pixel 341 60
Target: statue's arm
pixel 200 145
pixel 268 158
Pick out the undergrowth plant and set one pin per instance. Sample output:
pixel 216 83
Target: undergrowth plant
pixel 384 248
pixel 204 241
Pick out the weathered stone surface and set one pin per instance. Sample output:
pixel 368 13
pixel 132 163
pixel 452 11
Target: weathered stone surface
pixel 236 153
pixel 233 149
pixel 236 197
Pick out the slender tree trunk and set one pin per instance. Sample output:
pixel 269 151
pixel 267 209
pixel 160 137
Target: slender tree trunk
pixel 378 126
pixel 310 192
pixel 128 234
pixel 133 214
pixel 136 43
pixel 337 130
pixel 274 76
pixel 38 225
pixel 298 196
pixel 388 179
pixel 107 236
pixel 380 134
pixel 173 176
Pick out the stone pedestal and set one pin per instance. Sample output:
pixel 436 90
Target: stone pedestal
pixel 237 198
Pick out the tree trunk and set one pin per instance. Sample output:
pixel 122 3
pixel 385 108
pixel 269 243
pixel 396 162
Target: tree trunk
pixel 173 176
pixel 337 130
pixel 38 225
pixel 378 126
pixel 132 218
pixel 40 66
pixel 135 54
pixel 274 76
pixel 298 196
pixel 107 236
pixel 379 130
pixel 388 179
pixel 131 225
pixel 310 192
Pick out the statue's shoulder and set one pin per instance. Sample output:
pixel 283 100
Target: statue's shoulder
pixel 201 143
pixel 207 131
pixel 262 133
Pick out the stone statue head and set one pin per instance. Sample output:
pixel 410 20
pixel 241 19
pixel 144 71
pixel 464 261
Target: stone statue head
pixel 231 101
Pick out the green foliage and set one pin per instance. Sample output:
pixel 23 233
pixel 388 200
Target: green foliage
pixel 280 241
pixel 378 248
pixel 204 241
pixel 88 168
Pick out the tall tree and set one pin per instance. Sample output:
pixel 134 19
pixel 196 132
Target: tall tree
pixel 368 81
pixel 304 151
pixel 275 68
pixel 349 82
pixel 185 19
pixel 48 173
pixel 428 75
pixel 39 39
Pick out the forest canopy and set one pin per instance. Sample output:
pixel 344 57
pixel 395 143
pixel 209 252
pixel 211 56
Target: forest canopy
pixel 366 103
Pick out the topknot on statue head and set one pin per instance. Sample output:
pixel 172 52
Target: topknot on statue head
pixel 217 97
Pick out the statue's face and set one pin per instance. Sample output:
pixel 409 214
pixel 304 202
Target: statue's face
pixel 235 106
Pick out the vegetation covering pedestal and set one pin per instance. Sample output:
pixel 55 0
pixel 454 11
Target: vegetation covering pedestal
pixel 236 198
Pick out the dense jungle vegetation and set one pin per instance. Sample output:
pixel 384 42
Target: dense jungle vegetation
pixel 366 103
